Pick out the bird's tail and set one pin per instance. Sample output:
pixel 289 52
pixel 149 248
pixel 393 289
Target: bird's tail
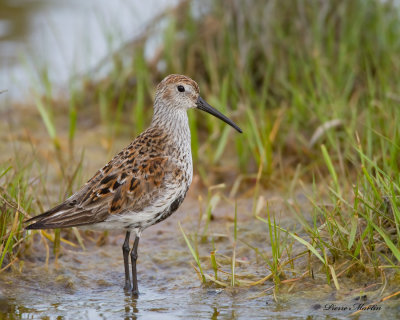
pixel 65 215
pixel 39 219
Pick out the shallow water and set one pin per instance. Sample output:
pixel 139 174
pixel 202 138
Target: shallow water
pixel 89 284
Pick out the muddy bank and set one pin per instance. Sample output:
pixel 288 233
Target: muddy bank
pixel 87 284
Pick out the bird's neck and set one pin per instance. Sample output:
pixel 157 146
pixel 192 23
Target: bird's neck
pixel 174 122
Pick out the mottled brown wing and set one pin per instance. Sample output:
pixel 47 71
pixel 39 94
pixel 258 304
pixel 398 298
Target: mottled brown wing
pixel 121 185
pixel 131 187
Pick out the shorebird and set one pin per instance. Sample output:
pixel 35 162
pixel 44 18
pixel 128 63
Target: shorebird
pixel 143 184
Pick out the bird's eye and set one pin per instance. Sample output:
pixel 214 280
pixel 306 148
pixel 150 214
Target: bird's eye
pixel 181 88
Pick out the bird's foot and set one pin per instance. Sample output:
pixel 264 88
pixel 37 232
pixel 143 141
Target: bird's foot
pixel 128 286
pixel 135 293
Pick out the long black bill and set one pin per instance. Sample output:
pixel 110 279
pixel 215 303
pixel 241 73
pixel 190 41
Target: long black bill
pixel 202 105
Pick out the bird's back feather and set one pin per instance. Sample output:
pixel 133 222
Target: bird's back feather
pixel 131 181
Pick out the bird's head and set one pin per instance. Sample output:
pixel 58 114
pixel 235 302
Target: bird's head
pixel 177 92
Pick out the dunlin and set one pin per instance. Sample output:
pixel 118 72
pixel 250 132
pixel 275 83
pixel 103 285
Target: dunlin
pixel 146 182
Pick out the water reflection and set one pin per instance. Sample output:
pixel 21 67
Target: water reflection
pixel 4 307
pixel 131 310
pixel 215 314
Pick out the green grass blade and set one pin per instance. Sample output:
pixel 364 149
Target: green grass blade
pixel 193 252
pixel 331 168
pixel 51 130
pixel 390 244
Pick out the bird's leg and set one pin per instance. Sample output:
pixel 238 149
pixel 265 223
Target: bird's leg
pixel 125 251
pixel 134 257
